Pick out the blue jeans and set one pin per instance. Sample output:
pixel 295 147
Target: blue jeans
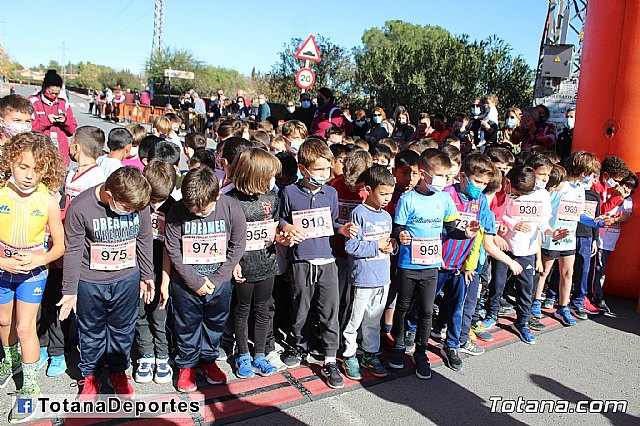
pixel 455 291
pixel 581 271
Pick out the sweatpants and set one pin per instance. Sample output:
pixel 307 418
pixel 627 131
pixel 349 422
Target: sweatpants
pixel 469 309
pixel 455 291
pixel 54 334
pixel 257 295
pixel 199 322
pixel 523 285
pixel 151 330
pixel 581 271
pixel 366 312
pixel 598 279
pixel 345 293
pixel 317 285
pixel 419 284
pixel 106 315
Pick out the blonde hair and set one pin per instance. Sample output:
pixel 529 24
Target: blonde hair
pixel 313 149
pixel 253 170
pixel 292 127
pixel 137 131
pixel 162 124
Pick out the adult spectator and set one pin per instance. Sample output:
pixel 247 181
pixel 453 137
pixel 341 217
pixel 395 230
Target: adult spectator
pixel 291 108
pixel 510 135
pixel 361 125
pixel 54 116
pixel 403 130
pixel 118 100
pixel 243 111
pixel 328 114
pixel 145 97
pixel 565 138
pixel 129 97
pixel 545 133
pixel 200 109
pixel 264 110
pixel 380 128
pixel 525 136
pixel 306 111
pixel 107 103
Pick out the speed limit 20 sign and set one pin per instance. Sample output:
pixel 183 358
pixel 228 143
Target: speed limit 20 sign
pixel 305 78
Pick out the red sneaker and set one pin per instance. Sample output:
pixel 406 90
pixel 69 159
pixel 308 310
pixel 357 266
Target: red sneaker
pixel 588 306
pixel 120 384
pixel 187 380
pixel 213 374
pixel 90 389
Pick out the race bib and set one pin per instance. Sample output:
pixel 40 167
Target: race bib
pixel 157 225
pixel 344 210
pixel 527 211
pixel 113 256
pixel 204 249
pixel 375 236
pixel 464 219
pixel 426 251
pixel 315 222
pixel 260 235
pixel 590 208
pixel 71 192
pixel 8 250
pixel 570 210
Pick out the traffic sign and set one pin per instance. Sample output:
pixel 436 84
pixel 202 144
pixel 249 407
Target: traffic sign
pixel 179 74
pixel 309 50
pixel 305 78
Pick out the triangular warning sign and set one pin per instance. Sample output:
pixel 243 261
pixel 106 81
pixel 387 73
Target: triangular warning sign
pixel 557 59
pixel 309 50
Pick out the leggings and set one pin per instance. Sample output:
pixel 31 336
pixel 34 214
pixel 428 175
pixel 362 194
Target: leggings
pixel 258 295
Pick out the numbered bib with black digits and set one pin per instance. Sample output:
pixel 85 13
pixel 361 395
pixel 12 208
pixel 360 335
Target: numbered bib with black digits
pixel 590 208
pixel 426 251
pixel 527 211
pixel 157 225
pixel 314 223
pixel 71 192
pixel 464 220
pixel 375 236
pixel 8 250
pixel 344 210
pixel 113 256
pixel 260 234
pixel 204 249
pixel 570 210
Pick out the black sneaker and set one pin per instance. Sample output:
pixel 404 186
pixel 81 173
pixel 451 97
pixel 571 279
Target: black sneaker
pixel 396 359
pixel 599 303
pixel 409 342
pixel 536 325
pixel 451 358
pixel 423 369
pixel 294 356
pixel 332 374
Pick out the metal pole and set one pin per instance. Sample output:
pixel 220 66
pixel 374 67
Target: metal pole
pixel 306 65
pixel 169 94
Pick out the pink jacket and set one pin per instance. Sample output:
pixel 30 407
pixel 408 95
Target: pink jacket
pixel 42 108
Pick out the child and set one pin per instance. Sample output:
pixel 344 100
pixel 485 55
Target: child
pixel 456 163
pixel 138 132
pixel 490 114
pixel 406 172
pixel 261 139
pixel 381 155
pixel 253 171
pixel 107 266
pixel 613 171
pixel 119 143
pixel 334 135
pixel 166 152
pixel 295 132
pixel 369 266
pixel 31 166
pixel 15 117
pixel 420 218
pixel 542 165
pixel 146 145
pixel 200 157
pixel 205 236
pixel 502 158
pixel 278 144
pixel 340 152
pixel 193 142
pixel 151 336
pixel 309 215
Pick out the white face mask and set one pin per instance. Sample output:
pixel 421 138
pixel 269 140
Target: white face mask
pixel 540 184
pixel 295 145
pixel 261 101
pixel 134 151
pixel 571 121
pixel 291 109
pixel 118 211
pixel 377 119
pixel 611 183
pixel 24 191
pixel 438 183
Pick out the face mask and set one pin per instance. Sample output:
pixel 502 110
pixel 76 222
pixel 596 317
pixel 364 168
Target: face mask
pixel 295 145
pixel 511 123
pixel 571 121
pixel 611 183
pixel 473 191
pixel 291 109
pixel 261 101
pixel 317 180
pixel 49 96
pixel 540 184
pixel 24 191
pixel 272 182
pixel 438 183
pixel 305 104
pixel 511 195
pixel 11 129
pixel 118 211
pixel 241 104
pixel 213 98
pixel 360 123
pixel 475 111
pixel 203 215
pixel 134 151
pixel 377 119
pixel 321 102
pixel 72 157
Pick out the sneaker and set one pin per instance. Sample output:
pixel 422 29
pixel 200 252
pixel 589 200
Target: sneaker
pixel 524 332
pixel 187 380
pixel 482 312
pixel 590 308
pixel 332 374
pixel 471 348
pixel 351 368
pixel 120 383
pixel 451 358
pixel 144 372
pixel 536 309
pixel 548 303
pixel 374 365
pixel 294 356
pixel 263 367
pixel 481 333
pixel 212 374
pixel 438 333
pixel 7 372
pixel 90 389
pixel 317 353
pixel 396 359
pixel 57 366
pixel 602 306
pixel 44 357
pixel 536 325
pixel 489 322
pixel 579 312
pixel 506 311
pixel 472 335
pixel 17 413
pixel 564 316
pixel 409 342
pixel 164 373
pixel 244 369
pixel 223 354
pixel 423 369
pixel 386 339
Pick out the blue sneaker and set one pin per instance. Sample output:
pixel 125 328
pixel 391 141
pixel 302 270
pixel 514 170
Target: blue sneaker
pixel 244 369
pixel 57 366
pixel 352 368
pixel 536 309
pixel 524 332
pixel 489 323
pixel 144 372
pixel 263 367
pixel 564 316
pixel 44 357
pixel 164 373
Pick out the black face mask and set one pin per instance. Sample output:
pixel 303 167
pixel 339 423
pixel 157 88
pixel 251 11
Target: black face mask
pixel 322 102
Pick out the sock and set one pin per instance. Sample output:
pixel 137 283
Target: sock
pixel 30 377
pixel 259 355
pixel 387 327
pixel 329 359
pixel 11 353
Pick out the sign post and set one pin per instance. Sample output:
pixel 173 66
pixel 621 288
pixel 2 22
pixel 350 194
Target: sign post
pixel 305 77
pixel 188 75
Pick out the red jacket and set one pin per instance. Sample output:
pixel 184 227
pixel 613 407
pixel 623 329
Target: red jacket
pixel 608 198
pixel 41 109
pixel 328 116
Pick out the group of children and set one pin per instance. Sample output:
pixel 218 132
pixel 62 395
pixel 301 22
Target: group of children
pixel 358 246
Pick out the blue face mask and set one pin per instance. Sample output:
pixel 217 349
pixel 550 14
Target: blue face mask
pixel 473 191
pixel 511 123
pixel 305 104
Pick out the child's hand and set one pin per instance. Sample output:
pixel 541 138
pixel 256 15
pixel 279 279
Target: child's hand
pixel 13 265
pixel 500 243
pixel 559 234
pixel 609 220
pixel 30 261
pixel 405 238
pixel 522 227
pixel 349 230
pixel 237 274
pixel 594 248
pixel 147 290
pixel 394 245
pixel 515 267
pixel 164 295
pixel 468 276
pixel 384 245
pixel 539 266
pixel 207 288
pixel 67 304
pixel 472 229
pixel 296 235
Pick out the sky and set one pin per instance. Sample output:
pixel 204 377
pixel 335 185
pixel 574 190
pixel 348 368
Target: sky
pixel 243 34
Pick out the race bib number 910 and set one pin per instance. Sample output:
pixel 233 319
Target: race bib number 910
pixel 314 223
